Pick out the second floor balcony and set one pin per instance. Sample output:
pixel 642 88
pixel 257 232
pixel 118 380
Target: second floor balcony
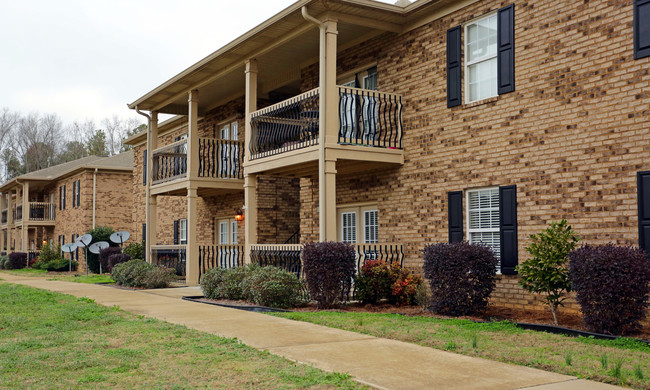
pixel 366 118
pixel 218 159
pixel 39 212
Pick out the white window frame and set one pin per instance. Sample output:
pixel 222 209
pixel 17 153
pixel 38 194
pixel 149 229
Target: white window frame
pixel 182 232
pixel 366 225
pixel 478 60
pixel 360 222
pixel 229 234
pixel 468 211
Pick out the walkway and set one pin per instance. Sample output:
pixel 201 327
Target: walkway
pixel 377 362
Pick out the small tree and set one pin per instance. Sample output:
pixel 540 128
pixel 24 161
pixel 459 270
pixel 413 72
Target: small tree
pixel 547 271
pixel 329 269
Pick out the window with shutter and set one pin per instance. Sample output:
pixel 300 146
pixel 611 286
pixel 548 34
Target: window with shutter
pixel 74 192
pixel 182 231
pixel 349 227
pixel 481 58
pixel 78 193
pixel 370 227
pixel 483 218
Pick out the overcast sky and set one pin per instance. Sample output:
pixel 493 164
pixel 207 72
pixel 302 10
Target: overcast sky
pixel 86 59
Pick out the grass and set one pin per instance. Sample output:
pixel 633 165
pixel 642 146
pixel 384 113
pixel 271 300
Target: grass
pixel 583 357
pixel 67 342
pixel 90 278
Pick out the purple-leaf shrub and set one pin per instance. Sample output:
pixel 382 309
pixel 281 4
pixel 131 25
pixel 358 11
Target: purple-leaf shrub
pixel 116 259
pixel 329 268
pixel 17 260
pixel 461 275
pixel 105 254
pixel 612 286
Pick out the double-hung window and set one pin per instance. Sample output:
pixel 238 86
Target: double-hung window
pixel 481 58
pixel 483 218
pixel 182 231
pixel 229 151
pixel 359 224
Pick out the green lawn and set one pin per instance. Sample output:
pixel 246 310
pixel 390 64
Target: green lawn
pixel 624 361
pixel 90 278
pixel 50 340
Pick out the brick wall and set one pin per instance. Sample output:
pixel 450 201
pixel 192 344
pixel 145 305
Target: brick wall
pixel 571 136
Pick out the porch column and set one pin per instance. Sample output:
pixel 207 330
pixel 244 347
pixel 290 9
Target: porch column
pixel 24 244
pixel 192 248
pixel 250 181
pixel 329 125
pixel 10 220
pixel 250 218
pixel 150 207
pixel 193 135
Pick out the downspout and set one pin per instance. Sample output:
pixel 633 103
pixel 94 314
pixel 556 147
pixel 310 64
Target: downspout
pixel 94 196
pixel 321 117
pixel 147 252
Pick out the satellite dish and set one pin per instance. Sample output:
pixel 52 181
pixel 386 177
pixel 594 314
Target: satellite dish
pixel 67 248
pixel 120 237
pixel 98 246
pixel 84 241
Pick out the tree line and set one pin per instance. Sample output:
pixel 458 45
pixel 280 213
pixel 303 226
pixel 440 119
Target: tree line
pixel 29 142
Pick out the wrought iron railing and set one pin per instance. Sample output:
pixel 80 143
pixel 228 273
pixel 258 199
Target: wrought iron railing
pixel 221 158
pixel 288 125
pixel 32 255
pixel 41 211
pixel 370 118
pixel 170 256
pixel 169 162
pixel 220 256
pixel 389 253
pixel 286 256
pixel 3 219
pixel 294 239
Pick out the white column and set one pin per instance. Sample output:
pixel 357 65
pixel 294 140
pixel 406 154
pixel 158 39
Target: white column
pixel 250 181
pixel 150 207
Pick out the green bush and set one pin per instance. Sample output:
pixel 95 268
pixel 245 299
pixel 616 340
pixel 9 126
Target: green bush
pixel 49 259
pixel 138 273
pixel 547 272
pixel 3 262
pixel 273 286
pixel 135 250
pixel 212 283
pixel 222 283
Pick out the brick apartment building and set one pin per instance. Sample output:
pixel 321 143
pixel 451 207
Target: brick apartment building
pixel 395 126
pixel 62 202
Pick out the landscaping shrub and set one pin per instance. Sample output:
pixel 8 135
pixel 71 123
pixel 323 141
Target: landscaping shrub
pixel 49 259
pixel 212 283
pixel 380 280
pixel 138 273
pixel 547 272
pixel 105 254
pixel 115 259
pixel 329 268
pixel 135 250
pixel 272 286
pixel 3 262
pixel 100 233
pixel 461 276
pixel 222 283
pixel 612 286
pixel 17 260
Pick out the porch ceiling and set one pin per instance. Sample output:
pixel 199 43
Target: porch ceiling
pixel 281 45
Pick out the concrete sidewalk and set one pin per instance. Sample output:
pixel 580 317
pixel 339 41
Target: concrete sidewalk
pixel 380 363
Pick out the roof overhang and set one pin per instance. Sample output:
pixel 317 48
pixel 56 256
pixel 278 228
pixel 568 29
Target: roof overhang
pixel 282 46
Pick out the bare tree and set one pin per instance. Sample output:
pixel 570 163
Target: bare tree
pixel 116 129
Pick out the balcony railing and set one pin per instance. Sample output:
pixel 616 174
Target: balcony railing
pixel 220 256
pixel 18 213
pixel 221 158
pixel 41 211
pixel 169 162
pixel 286 256
pixel 4 217
pixel 170 256
pixel 370 118
pixel 288 125
pixel 389 253
pixel 366 118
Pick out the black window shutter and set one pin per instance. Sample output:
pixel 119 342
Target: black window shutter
pixel 78 193
pixel 643 193
pixel 506 49
pixel 144 231
pixel 144 168
pixel 74 193
pixel 176 233
pixel 641 28
pixel 455 204
pixel 64 197
pixel 508 228
pixel 60 200
pixel 454 81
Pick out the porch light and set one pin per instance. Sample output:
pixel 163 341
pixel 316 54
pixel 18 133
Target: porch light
pixel 44 242
pixel 239 215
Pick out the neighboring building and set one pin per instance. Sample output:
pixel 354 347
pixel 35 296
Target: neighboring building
pixel 481 120
pixel 59 203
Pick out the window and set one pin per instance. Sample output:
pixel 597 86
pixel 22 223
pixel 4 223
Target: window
pixel 481 58
pixel 62 198
pixel 354 103
pixel 76 191
pixel 182 231
pixel 359 224
pixel 226 231
pixel 483 223
pixel 229 152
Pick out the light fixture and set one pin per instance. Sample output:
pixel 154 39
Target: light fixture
pixel 44 242
pixel 239 215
